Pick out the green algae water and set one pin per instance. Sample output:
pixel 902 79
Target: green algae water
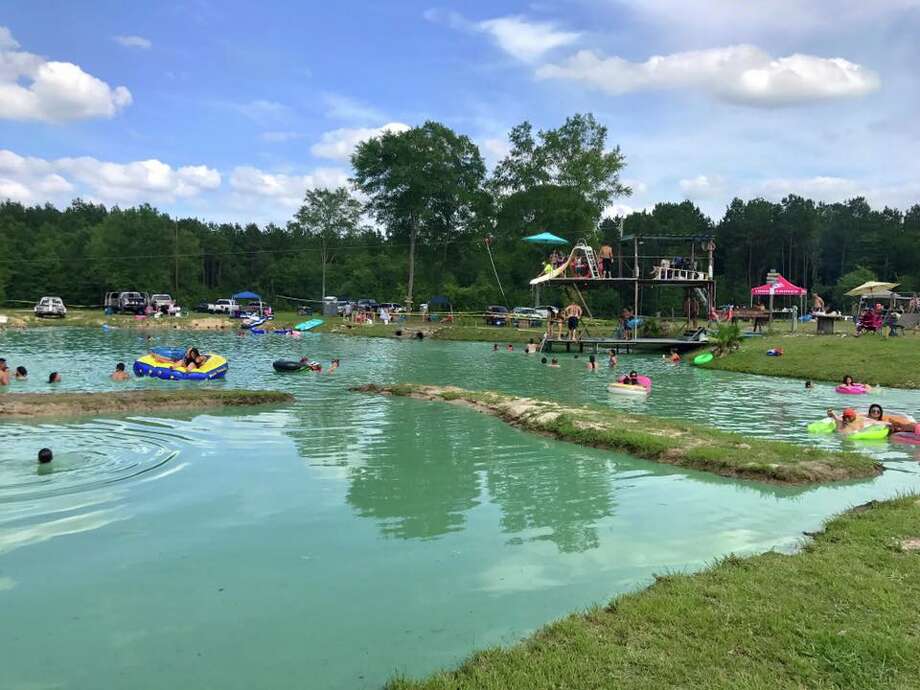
pixel 343 539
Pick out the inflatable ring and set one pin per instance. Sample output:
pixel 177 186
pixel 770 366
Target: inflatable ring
pixel 156 366
pixel 291 365
pixel 853 389
pixel 627 389
pixel 873 432
pixel 704 358
pixel 823 426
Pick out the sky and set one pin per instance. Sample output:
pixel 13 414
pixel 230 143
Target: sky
pixel 230 111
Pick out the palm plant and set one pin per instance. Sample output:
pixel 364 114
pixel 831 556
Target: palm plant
pixel 727 338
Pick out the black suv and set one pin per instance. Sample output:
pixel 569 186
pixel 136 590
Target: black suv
pixel 496 315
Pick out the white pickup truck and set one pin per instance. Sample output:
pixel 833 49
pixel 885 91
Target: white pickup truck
pixel 224 306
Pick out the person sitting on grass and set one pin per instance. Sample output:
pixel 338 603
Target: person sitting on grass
pixel 120 374
pixel 21 374
pixel 848 422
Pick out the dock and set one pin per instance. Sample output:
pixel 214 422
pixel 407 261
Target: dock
pixel 595 345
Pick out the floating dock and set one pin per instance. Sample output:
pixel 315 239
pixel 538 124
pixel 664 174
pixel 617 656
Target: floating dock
pixel 619 345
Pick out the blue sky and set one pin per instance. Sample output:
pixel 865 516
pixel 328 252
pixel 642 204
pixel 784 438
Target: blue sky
pixel 230 110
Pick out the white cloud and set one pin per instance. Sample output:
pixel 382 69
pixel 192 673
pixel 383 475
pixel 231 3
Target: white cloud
pixel 133 42
pixel 521 38
pixel 283 190
pixel 525 40
pixel 638 187
pixel 264 111
pixel 35 180
pixel 34 88
pixel 702 186
pixel 279 137
pixel 820 188
pixel 340 107
pixel 339 144
pixel 740 74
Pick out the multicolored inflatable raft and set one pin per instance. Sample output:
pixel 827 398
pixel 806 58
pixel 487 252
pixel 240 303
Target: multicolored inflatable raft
pixel 166 363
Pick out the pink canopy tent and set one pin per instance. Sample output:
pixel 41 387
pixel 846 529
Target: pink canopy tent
pixel 781 287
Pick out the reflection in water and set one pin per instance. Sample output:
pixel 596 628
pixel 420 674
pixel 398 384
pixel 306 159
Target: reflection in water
pixel 296 527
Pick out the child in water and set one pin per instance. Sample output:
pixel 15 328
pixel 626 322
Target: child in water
pixel 554 363
pixel 592 363
pixel 612 360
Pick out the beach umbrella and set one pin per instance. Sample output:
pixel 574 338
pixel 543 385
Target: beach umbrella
pixel 872 289
pixel 546 238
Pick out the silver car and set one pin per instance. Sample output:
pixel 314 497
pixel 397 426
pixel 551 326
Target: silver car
pixel 50 306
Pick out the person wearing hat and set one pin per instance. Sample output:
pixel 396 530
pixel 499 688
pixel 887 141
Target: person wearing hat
pixel 847 422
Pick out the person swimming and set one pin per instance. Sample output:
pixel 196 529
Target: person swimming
pixel 4 373
pixel 120 374
pixel 510 347
pixel 21 374
pixel 895 422
pixel 45 456
pixel 612 359
pixel 495 347
pixel 673 358
pixel 554 363
pixel 632 379
pixel 592 363
pixel 848 381
pixel 54 377
pixel 808 385
pixel 847 422
pixel 333 365
pixel 543 360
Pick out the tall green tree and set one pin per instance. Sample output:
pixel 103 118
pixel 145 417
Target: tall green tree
pixel 424 183
pixel 328 216
pixel 573 156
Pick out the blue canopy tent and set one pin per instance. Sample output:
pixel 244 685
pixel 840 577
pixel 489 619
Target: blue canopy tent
pixel 547 238
pixel 252 297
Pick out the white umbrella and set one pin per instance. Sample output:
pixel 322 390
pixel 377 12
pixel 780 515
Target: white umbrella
pixel 872 288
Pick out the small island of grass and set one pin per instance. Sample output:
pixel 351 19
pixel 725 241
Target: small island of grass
pixel 121 402
pixel 661 440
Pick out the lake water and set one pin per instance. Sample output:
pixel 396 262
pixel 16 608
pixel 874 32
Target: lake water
pixel 341 539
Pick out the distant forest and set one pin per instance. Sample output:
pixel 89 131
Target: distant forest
pixel 415 222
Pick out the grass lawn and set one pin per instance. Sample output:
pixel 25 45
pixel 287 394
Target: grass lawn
pixel 79 404
pixel 660 440
pixel 872 359
pixel 842 613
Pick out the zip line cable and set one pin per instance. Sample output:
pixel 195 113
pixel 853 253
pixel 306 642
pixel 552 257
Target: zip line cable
pixel 488 243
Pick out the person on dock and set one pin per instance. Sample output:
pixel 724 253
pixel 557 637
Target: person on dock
pixel 606 255
pixel 572 315
pixel 4 373
pixel 21 374
pixel 120 374
pixel 626 322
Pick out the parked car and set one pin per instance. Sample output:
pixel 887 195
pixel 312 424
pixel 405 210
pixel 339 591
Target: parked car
pixel 162 302
pixel 224 306
pixel 367 305
pixel 525 317
pixel 127 301
pixel 305 310
pixel 544 312
pixel 51 307
pixel 391 307
pixel 496 315
pixel 203 308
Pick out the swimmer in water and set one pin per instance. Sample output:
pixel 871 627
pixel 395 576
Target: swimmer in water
pixel 21 374
pixel 4 373
pixel 333 365
pixel 612 359
pixel 45 456
pixel 592 363
pixel 54 377
pixel 120 374
pixel 808 386
pixel 848 422
pixel 554 363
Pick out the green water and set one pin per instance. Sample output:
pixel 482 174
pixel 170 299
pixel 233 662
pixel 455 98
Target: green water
pixel 339 540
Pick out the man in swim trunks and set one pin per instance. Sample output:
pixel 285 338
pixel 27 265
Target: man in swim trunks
pixel 572 315
pixel 606 255
pixel 848 422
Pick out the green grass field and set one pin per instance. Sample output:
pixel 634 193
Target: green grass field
pixel 842 613
pixel 872 359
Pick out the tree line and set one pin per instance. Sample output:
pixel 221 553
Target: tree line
pixel 424 217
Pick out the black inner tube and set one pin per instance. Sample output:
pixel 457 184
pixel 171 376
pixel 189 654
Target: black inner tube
pixel 288 365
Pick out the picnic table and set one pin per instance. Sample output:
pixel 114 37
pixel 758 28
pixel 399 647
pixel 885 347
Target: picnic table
pixel 827 322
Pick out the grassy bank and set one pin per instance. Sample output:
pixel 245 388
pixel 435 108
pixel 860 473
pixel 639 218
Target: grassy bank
pixel 893 362
pixel 661 440
pixel 842 613
pixel 80 404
